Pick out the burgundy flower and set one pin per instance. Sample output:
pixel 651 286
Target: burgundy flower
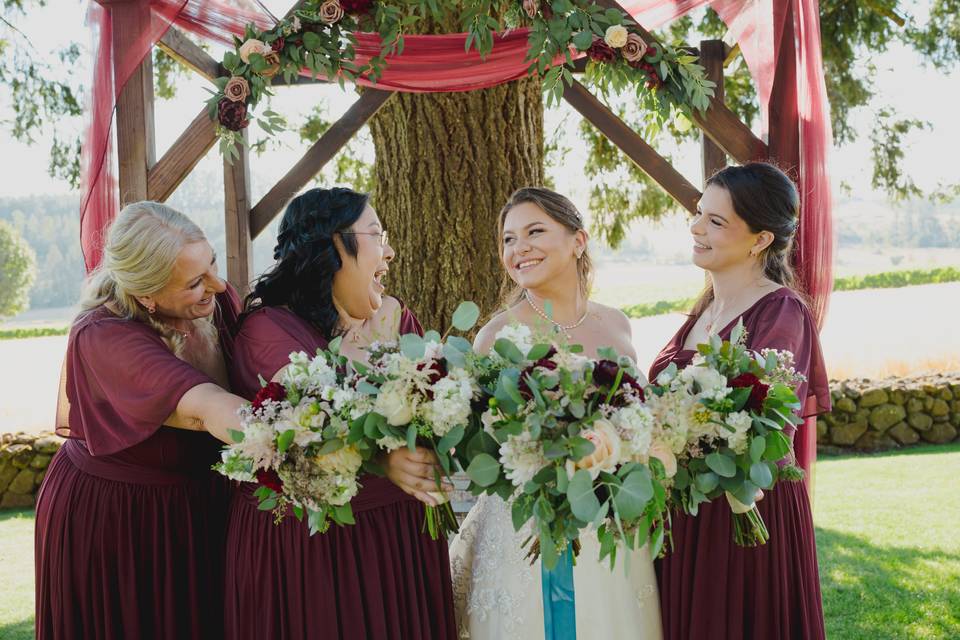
pixel 600 51
pixel 605 374
pixel 758 390
pixel 269 478
pixel 357 7
pixel 278 45
pixel 543 363
pixel 232 115
pixel 272 391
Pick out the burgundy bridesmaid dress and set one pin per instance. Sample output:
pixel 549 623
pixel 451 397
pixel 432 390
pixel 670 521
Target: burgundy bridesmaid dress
pixel 712 588
pixel 130 518
pixel 380 578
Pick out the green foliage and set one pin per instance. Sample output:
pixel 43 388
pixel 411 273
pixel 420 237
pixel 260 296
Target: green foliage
pixel 33 332
pixel 17 270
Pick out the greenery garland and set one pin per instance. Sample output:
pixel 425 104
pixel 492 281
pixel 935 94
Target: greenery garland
pixel 320 36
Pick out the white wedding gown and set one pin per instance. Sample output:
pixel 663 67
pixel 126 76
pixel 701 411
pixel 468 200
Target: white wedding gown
pixel 497 593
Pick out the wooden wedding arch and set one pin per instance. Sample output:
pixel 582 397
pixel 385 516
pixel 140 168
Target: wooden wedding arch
pixel 143 176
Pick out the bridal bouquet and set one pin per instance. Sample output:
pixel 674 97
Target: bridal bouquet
pixel 423 394
pixel 302 440
pixel 567 440
pixel 719 428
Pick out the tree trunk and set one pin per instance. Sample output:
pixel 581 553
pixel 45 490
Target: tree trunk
pixel 445 165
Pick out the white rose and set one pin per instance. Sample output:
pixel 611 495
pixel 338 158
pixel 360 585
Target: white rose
pixel 392 403
pixel 616 36
pixel 710 382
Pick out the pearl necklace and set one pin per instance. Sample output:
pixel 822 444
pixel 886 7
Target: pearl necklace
pixel 565 327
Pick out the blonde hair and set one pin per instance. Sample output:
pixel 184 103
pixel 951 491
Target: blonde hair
pixel 560 209
pixel 141 249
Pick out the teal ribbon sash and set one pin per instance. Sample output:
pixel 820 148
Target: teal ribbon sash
pixel 559 600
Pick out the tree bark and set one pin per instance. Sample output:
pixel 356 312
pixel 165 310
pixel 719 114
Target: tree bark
pixel 445 165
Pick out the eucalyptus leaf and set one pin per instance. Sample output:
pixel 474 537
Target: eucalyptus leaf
pixel 466 316
pixel 483 470
pixel 721 465
pixel 583 501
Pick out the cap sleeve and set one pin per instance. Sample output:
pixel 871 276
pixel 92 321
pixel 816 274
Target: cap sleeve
pixel 785 323
pixel 409 322
pixel 122 382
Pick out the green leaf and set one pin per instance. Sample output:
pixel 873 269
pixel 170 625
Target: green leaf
pixel 706 482
pixel 451 439
pixel 284 440
pixel 761 475
pixel 312 41
pixel 235 435
pixel 583 501
pixel 632 497
pixel 580 447
pixel 344 514
pixel 412 437
pixel 583 40
pixel 431 336
pixel 372 424
pixel 757 446
pixel 466 316
pixel 412 346
pixel 460 344
pixel 508 351
pixel 721 465
pixel 538 351
pixel 778 446
pixel 483 470
pixel 330 446
pixel 563 481
pixel 367 388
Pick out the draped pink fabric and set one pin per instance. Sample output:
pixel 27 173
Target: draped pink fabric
pixel 439 63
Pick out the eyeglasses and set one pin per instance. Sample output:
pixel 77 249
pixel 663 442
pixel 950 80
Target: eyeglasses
pixel 384 239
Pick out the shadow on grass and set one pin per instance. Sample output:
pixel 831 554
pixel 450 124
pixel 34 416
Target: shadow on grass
pixel 920 449
pixel 887 592
pixel 22 630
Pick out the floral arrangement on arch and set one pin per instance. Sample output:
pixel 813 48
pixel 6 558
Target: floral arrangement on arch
pixel 320 36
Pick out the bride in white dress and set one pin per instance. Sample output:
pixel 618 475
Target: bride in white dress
pixel 497 592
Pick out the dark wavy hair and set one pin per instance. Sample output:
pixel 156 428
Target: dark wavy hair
pixel 767 200
pixel 306 258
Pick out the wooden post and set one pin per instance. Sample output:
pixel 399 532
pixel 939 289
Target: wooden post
pixel 712 55
pixel 135 129
pixel 236 201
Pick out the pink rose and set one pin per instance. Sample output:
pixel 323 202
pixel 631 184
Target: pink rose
pixel 250 47
pixel 236 89
pixel 662 452
pixel 634 49
pixel 331 12
pixel 530 7
pixel 606 449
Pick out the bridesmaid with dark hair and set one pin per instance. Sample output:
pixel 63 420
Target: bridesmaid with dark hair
pixel 382 577
pixel 709 587
pixel 130 517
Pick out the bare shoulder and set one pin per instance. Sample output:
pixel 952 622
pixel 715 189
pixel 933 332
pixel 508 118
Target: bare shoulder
pixel 386 321
pixel 612 317
pixel 485 336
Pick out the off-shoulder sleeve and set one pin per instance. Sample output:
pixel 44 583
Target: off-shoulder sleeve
pixel 122 382
pixel 785 323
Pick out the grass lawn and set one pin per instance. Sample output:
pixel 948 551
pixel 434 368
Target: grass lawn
pixel 886 537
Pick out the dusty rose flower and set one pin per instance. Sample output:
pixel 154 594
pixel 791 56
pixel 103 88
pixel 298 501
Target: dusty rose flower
pixel 634 49
pixel 530 7
pixel 237 89
pixel 273 60
pixel 331 12
pixel 250 47
pixel 616 36
pixel 662 452
pixel 232 115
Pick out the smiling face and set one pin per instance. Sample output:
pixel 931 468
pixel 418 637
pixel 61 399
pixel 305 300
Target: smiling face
pixel 191 290
pixel 721 238
pixel 536 250
pixel 357 285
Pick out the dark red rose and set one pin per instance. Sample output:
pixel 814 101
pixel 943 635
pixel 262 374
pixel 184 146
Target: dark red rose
pixel 356 7
pixel 600 51
pixel 278 45
pixel 605 374
pixel 543 363
pixel 232 115
pixel 758 390
pixel 273 391
pixel 269 478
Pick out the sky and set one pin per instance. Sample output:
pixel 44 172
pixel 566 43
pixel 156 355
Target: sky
pixel 902 81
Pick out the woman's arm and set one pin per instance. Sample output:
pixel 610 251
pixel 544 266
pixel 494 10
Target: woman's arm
pixel 207 407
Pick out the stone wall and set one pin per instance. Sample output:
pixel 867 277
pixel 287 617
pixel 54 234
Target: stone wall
pixel 23 463
pixel 873 415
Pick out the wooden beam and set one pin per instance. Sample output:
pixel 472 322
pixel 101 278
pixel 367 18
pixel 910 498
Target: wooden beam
pixel 135 127
pixel 711 57
pixel 236 202
pixel 719 123
pixel 182 49
pixel 164 177
pixel 652 163
pixel 316 157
